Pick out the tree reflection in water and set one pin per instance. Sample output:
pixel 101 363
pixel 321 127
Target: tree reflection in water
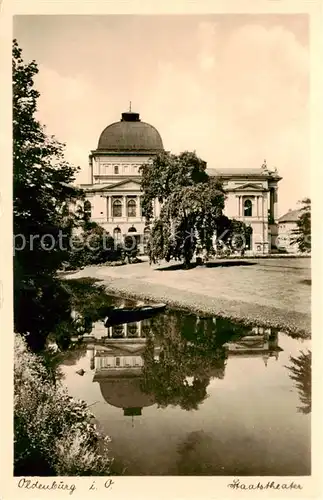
pixel 181 354
pixel 191 352
pixel 300 373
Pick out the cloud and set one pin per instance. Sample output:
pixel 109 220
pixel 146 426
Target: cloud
pixel 239 94
pixel 64 107
pixel 206 38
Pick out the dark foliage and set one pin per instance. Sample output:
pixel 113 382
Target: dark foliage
pixel 42 195
pixel 302 234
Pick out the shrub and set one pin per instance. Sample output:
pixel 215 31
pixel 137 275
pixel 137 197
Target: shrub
pixel 53 433
pixel 95 246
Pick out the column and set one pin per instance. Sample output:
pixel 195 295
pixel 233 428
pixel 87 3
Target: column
pixel 257 201
pixel 111 204
pixel 125 330
pixel 111 213
pixel 91 168
pixel 266 205
pixel 124 209
pixel 157 211
pixel 140 329
pixel 238 200
pixel 140 204
pixel 276 204
pixel 107 204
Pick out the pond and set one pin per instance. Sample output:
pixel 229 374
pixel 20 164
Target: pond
pixel 185 395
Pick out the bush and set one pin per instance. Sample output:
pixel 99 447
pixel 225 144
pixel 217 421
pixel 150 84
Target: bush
pixel 98 247
pixel 53 434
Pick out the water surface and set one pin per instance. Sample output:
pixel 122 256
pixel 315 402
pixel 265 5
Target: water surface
pixel 182 395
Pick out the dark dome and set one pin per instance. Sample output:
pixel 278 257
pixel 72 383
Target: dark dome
pixel 130 134
pixel 125 393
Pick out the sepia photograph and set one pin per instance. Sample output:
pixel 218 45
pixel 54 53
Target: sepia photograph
pixel 162 247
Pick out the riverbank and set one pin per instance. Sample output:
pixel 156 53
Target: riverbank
pixel 273 292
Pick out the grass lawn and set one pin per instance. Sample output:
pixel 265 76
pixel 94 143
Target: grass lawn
pixel 274 292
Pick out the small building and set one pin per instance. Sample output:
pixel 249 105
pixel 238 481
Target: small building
pixel 286 227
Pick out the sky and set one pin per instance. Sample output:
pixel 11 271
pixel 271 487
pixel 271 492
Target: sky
pixel 232 87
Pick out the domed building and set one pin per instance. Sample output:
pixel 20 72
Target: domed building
pixel 114 197
pixel 114 189
pixel 117 365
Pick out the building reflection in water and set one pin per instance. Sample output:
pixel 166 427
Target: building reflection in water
pixel 151 362
pixel 261 342
pixel 117 359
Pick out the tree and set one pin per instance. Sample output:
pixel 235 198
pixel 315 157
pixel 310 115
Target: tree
pixel 300 373
pixel 42 196
pixel 302 233
pixel 191 205
pixel 181 374
pixel 232 235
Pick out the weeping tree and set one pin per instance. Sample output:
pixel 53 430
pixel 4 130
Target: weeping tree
pixel 191 207
pixel 189 355
pixel 42 196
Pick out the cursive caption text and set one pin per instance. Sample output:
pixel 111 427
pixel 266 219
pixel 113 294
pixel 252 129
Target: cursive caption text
pixel 270 485
pixel 30 484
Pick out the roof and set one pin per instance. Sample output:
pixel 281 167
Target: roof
pixel 130 134
pixel 124 392
pixel 241 172
pixel 290 216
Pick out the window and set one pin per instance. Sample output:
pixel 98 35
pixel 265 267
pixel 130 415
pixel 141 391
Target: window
pixel 87 209
pixel 131 211
pixel 116 169
pixel 117 361
pixel 132 330
pixel 117 233
pixel 247 208
pixel 117 208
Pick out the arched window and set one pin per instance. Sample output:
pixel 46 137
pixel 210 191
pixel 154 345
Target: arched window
pixel 132 229
pixel 116 169
pixel 247 208
pixel 87 209
pixel 117 208
pixel 131 208
pixel 117 233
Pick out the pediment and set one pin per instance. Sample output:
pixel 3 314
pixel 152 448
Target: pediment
pixel 124 185
pixel 250 186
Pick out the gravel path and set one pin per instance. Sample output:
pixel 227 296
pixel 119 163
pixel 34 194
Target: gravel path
pixel 269 293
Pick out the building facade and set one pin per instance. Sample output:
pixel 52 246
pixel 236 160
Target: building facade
pixel 287 224
pixel 114 196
